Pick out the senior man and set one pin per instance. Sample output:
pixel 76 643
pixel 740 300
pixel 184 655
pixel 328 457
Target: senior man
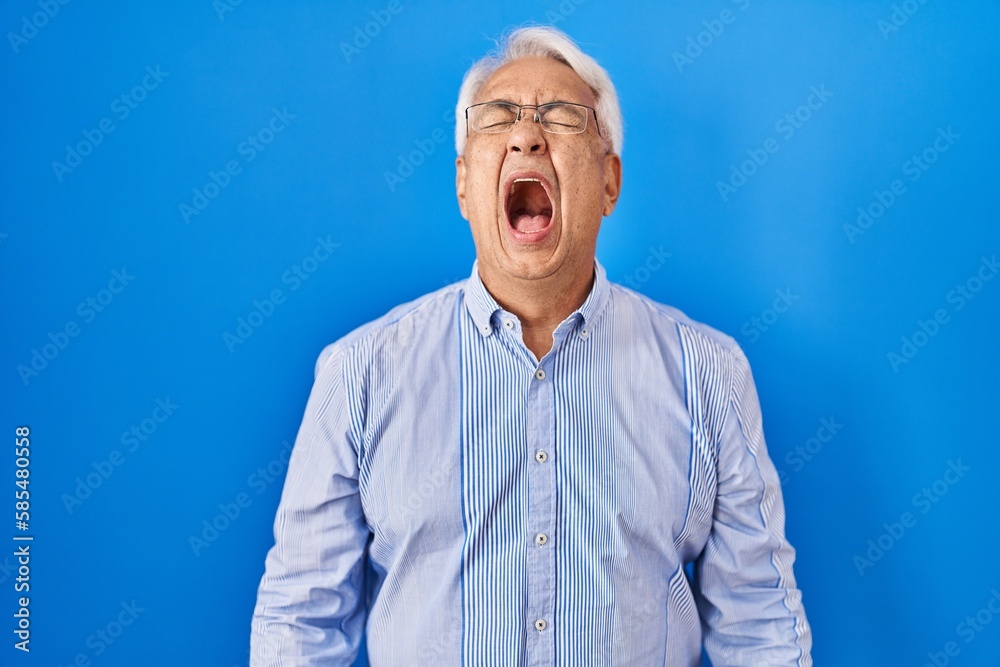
pixel 533 466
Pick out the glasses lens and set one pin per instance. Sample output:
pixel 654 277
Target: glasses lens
pixel 564 118
pixel 493 117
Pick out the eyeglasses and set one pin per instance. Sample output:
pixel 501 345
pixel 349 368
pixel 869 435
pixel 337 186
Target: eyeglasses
pixel 554 117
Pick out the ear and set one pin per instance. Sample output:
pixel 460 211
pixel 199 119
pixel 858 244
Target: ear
pixel 612 181
pixel 460 185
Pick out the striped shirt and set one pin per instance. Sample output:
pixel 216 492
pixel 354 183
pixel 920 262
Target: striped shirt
pixel 455 501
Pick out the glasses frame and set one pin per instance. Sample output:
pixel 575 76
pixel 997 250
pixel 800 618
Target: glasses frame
pixel 537 116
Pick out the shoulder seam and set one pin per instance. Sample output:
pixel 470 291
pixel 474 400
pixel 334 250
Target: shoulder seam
pixel 364 332
pixel 718 339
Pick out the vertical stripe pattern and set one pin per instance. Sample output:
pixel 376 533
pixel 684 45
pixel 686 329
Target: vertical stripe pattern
pixel 463 502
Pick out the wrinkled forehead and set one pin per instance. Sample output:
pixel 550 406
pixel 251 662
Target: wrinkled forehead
pixel 536 80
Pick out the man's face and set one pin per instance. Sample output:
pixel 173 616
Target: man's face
pixel 549 222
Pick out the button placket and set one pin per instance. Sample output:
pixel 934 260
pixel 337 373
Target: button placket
pixel 541 522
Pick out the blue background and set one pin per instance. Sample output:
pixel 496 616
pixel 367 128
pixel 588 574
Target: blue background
pixel 359 112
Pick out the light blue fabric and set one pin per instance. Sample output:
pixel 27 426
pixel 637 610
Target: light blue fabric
pixel 463 503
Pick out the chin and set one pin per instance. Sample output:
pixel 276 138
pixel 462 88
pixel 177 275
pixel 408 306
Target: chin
pixel 529 263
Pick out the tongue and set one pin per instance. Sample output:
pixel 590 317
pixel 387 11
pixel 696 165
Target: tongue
pixel 525 222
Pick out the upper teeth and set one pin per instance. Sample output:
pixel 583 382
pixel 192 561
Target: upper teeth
pixel 513 185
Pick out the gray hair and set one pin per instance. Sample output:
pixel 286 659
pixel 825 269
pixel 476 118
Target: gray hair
pixel 548 42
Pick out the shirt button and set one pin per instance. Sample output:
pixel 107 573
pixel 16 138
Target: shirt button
pixel 584 333
pixel 540 624
pixel 540 374
pixel 508 324
pixel 541 457
pixel 541 539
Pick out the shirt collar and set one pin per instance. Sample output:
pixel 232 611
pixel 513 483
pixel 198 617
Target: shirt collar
pixel 482 305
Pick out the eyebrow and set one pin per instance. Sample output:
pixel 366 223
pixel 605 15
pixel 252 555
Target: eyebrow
pixel 542 104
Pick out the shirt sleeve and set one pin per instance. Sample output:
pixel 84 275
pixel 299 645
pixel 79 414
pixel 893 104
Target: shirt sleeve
pixel 310 604
pixel 751 609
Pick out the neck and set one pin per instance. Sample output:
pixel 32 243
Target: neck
pixel 541 304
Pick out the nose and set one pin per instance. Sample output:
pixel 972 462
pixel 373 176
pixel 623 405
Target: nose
pixel 527 135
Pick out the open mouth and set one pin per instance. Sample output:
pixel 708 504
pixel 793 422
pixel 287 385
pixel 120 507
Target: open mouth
pixel 529 209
